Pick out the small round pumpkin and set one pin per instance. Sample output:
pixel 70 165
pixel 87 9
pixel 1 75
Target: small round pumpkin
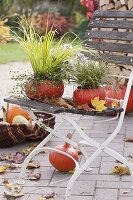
pixel 15 110
pixel 61 162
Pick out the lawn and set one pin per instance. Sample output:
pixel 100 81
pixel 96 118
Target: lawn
pixel 11 52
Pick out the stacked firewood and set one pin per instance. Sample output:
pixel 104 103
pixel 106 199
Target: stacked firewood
pixel 120 5
pixel 116 4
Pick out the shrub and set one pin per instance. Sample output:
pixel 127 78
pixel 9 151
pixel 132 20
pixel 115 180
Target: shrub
pixel 4 33
pixel 48 20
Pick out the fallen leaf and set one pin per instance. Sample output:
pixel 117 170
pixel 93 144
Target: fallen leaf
pixel 13 191
pixel 14 187
pixel 3 169
pixel 5 156
pixel 121 169
pixel 14 165
pixel 17 158
pixel 72 171
pixel 85 107
pixel 34 175
pixel 29 149
pixel 125 192
pixel 115 104
pixel 33 164
pixel 11 195
pixel 63 103
pixel 129 140
pixel 47 196
pixel 99 105
pixel 5 181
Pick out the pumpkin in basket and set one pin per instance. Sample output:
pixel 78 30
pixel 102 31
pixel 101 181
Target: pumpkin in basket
pixel 15 110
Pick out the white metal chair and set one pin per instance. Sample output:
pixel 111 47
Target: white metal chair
pixel 85 139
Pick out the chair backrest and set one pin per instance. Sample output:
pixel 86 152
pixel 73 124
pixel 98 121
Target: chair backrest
pixel 111 32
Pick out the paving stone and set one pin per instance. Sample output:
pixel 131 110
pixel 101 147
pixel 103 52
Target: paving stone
pixel 83 188
pixel 125 198
pixel 128 151
pixel 106 194
pixel 106 167
pixel 113 184
pixel 100 177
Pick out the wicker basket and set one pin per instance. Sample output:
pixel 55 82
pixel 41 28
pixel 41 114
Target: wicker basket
pixel 14 134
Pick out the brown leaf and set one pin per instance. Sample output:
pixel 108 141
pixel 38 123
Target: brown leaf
pixel 129 140
pixel 5 181
pixel 5 156
pixel 35 175
pixel 125 192
pixel 29 149
pixel 13 191
pixel 63 103
pixel 14 187
pixel 12 195
pixel 33 164
pixel 47 196
pixel 85 107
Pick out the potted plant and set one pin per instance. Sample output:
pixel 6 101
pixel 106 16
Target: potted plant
pixel 48 57
pixel 89 76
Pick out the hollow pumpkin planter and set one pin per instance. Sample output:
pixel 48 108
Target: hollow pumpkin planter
pixel 48 57
pixel 44 89
pixel 84 96
pixel 89 76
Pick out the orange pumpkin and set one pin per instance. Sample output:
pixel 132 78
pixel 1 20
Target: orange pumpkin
pixel 15 110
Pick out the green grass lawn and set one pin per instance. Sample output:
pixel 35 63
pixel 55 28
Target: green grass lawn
pixel 11 52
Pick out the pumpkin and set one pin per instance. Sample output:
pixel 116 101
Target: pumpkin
pixel 119 94
pixel 84 96
pixel 15 110
pixel 43 89
pixel 61 162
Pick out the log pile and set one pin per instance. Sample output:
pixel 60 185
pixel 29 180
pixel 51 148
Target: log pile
pixel 119 5
pixel 116 4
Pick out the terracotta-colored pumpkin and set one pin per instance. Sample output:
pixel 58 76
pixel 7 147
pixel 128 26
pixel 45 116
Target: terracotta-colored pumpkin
pixel 119 94
pixel 84 96
pixel 61 162
pixel 15 110
pixel 43 89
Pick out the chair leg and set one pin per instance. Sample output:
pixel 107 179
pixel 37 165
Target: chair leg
pixel 35 152
pixel 79 171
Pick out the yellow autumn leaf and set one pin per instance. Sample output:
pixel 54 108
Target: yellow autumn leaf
pixel 120 169
pixel 115 104
pixel 72 171
pixel 3 168
pixel 99 105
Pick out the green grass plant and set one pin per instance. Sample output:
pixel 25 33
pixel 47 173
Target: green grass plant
pixel 47 54
pixel 89 74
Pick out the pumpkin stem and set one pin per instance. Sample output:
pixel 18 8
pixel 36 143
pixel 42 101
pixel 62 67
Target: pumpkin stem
pixel 69 136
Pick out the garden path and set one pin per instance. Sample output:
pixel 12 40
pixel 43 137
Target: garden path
pixel 99 184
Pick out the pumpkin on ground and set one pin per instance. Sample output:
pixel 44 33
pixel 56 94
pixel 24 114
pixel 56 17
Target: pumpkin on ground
pixel 61 162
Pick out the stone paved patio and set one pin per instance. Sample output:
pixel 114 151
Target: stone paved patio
pixel 98 184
